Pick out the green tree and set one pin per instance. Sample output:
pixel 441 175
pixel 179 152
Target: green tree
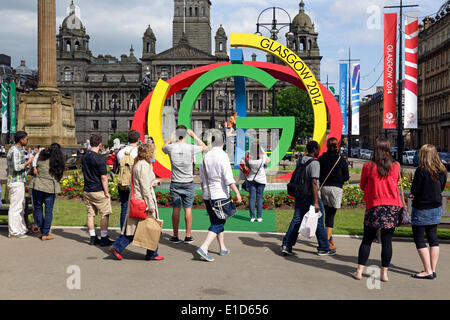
pixel 294 102
pixel 123 137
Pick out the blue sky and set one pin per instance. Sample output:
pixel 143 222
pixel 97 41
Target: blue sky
pixel 114 25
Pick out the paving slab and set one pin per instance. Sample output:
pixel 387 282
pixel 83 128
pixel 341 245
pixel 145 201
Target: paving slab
pixel 34 269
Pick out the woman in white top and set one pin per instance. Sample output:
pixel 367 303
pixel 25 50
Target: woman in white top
pixel 257 179
pixel 216 179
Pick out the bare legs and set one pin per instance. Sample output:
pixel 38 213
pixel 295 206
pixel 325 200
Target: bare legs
pixel 176 220
pixel 210 238
pixel 429 258
pixel 104 222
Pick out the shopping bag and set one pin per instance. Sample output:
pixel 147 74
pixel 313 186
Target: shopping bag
pixel 147 233
pixel 309 223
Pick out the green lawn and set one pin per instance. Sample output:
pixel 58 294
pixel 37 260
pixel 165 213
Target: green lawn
pixel 347 222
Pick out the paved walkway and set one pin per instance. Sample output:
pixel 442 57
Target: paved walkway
pixel 32 269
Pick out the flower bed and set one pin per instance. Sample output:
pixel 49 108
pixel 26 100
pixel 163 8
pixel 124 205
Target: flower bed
pixel 72 187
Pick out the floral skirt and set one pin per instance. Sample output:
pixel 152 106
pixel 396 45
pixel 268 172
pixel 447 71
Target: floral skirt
pixel 382 217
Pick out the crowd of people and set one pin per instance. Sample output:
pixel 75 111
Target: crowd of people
pixel 323 191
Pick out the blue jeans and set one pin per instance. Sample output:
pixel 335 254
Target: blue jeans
pixel 123 195
pixel 301 208
pixel 256 190
pixel 123 241
pixel 39 199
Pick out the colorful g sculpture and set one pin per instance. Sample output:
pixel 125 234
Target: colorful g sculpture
pixel 149 113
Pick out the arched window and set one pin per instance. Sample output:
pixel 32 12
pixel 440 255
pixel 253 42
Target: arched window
pixel 196 11
pixel 220 46
pixel 190 11
pixel 77 45
pixel 67 74
pixel 302 45
pixel 309 44
pixel 295 45
pixel 115 103
pixel 68 46
pixel 148 47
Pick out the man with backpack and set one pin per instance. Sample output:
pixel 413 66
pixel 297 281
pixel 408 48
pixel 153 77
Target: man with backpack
pixel 304 186
pixel 125 160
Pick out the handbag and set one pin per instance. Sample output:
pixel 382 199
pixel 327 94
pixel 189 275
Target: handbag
pixel 309 223
pixel 138 207
pixel 148 233
pixel 223 209
pixel 403 216
pixel 246 183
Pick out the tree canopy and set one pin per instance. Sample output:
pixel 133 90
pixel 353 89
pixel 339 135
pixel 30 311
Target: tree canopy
pixel 295 102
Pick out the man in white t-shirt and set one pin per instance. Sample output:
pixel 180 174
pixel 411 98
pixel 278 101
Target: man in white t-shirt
pixel 132 149
pixel 182 189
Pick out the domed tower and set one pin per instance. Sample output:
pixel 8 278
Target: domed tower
pixel 221 43
pixel 148 44
pixel 304 41
pixel 72 40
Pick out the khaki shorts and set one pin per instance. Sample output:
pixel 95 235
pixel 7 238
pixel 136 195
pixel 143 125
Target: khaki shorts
pixel 97 202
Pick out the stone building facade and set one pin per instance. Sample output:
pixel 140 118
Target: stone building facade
pixel 434 81
pixel 106 90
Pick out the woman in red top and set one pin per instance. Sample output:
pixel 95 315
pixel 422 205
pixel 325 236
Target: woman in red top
pixel 379 181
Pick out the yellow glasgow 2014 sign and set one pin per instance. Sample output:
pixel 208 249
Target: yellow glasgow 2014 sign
pixel 287 55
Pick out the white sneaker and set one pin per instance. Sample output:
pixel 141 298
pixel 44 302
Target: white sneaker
pixel 19 236
pixel 252 220
pixel 259 219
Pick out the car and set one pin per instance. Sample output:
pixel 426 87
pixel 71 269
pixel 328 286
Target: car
pixel 445 159
pixel 362 153
pixel 408 157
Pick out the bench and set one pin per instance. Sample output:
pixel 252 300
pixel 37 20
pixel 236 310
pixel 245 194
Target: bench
pixel 5 200
pixel 445 223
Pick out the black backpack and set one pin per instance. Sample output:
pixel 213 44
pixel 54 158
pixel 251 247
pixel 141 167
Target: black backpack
pixel 298 186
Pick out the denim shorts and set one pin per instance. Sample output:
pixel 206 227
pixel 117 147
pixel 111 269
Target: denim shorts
pixel 217 225
pixel 426 217
pixel 182 195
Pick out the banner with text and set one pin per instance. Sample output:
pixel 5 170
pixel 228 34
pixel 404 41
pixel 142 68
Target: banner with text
pixel 355 98
pixel 4 107
pixel 12 104
pixel 411 46
pixel 343 95
pixel 390 62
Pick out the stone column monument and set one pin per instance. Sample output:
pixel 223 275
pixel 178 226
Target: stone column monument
pixel 45 114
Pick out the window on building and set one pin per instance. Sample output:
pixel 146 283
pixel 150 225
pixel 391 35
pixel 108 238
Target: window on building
pixel 114 124
pixel 77 45
pixel 309 44
pixel 190 11
pixel 68 46
pixel 204 102
pixel 115 103
pixel 196 11
pixel 133 103
pixel 67 74
pixel 220 46
pixel 96 103
pixel 256 102
pixel 164 74
pixel 95 124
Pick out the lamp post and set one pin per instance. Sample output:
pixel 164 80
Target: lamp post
pixel 213 119
pixel 274 31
